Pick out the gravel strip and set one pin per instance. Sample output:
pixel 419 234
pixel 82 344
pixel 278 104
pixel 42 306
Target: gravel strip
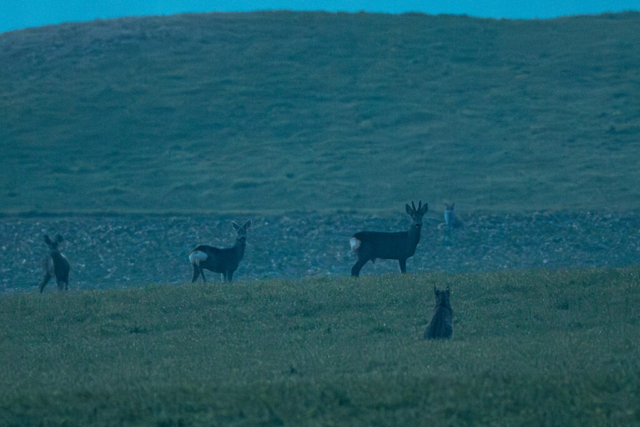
pixel 116 252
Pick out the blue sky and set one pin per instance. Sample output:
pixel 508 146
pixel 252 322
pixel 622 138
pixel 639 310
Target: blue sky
pixel 15 14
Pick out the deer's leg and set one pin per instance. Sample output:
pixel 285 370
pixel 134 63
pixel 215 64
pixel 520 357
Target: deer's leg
pixel 202 274
pixel 355 270
pixel 196 273
pixel 229 275
pixel 44 282
pixel 403 265
pixel 223 276
pixel 60 283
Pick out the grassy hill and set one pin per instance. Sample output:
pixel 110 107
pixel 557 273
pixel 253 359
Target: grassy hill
pixel 288 111
pixel 529 348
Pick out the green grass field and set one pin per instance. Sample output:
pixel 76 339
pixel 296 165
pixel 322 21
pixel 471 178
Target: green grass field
pixel 529 348
pixel 280 112
pixel 283 113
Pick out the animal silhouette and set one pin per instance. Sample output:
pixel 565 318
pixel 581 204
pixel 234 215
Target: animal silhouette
pixel 440 326
pixel 55 264
pixel 371 245
pixel 451 220
pixel 220 260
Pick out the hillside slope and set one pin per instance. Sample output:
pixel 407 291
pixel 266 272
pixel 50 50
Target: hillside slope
pixel 292 111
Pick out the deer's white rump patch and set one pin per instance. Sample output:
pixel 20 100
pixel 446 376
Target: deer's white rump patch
pixel 196 257
pixel 48 266
pixel 355 243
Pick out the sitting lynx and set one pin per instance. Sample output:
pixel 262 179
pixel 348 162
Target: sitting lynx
pixel 450 218
pixel 441 323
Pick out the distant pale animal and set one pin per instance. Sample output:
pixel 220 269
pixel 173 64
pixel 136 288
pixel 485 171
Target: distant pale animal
pixel 450 218
pixel 371 245
pixel 220 260
pixel 55 264
pixel 441 326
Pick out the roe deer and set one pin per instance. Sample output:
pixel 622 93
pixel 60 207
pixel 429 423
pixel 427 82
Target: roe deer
pixel 55 264
pixel 370 245
pixel 224 261
pixel 440 325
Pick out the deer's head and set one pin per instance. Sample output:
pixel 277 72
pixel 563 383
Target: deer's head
pixel 53 244
pixel 417 214
pixel 241 232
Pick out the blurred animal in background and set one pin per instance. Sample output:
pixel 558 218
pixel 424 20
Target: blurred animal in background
pixel 224 261
pixel 441 326
pixel 371 245
pixel 55 264
pixel 450 218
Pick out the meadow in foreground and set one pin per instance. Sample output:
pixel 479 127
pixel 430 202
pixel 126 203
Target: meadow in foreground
pixel 537 347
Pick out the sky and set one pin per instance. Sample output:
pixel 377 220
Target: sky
pixel 17 14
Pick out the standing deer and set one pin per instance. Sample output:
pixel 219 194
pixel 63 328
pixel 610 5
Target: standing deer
pixel 224 261
pixel 441 322
pixel 55 264
pixel 370 245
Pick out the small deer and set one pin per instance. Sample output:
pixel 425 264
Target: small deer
pixel 55 264
pixel 224 261
pixel 441 321
pixel 370 245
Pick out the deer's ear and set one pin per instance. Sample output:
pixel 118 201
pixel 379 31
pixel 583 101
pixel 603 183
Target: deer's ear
pixel 47 240
pixel 235 225
pixel 408 209
pixel 59 238
pixel 247 225
pixel 424 209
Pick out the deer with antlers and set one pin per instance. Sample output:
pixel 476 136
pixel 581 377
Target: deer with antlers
pixel 371 245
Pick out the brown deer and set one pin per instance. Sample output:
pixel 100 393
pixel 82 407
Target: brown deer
pixel 371 245
pixel 55 264
pixel 224 261
pixel 441 322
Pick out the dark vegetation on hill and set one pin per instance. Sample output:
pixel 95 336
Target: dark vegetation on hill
pixel 288 111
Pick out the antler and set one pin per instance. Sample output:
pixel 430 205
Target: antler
pixel 414 206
